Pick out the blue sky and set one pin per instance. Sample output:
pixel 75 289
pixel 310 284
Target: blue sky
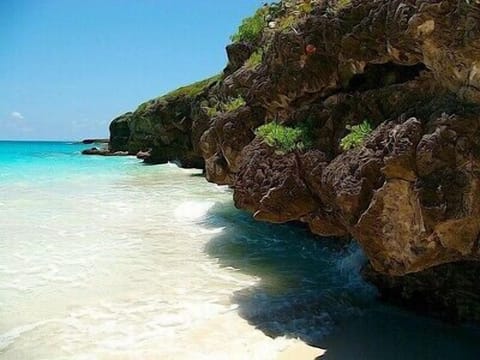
pixel 67 67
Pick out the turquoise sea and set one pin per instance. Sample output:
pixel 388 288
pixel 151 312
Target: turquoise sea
pixel 106 258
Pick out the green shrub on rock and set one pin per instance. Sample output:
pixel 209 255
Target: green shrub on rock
pixel 357 135
pixel 284 138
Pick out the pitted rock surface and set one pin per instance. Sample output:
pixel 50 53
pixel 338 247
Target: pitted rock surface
pixel 410 193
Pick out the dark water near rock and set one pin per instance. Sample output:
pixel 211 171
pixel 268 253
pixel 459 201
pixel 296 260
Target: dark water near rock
pixel 311 288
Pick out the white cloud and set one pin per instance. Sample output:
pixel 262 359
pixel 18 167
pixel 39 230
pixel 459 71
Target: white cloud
pixel 17 116
pixel 16 123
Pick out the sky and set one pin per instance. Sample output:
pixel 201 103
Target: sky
pixel 68 67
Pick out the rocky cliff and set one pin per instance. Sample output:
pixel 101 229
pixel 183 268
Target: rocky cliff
pixel 407 187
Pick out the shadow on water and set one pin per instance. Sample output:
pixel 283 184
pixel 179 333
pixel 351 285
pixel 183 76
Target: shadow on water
pixel 310 288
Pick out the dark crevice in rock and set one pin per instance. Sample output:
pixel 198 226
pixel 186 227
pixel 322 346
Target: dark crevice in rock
pixel 381 75
pixel 476 246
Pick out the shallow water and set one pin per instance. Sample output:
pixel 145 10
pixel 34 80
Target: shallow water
pixel 104 258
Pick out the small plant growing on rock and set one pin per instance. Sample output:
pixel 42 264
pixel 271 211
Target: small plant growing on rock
pixel 255 59
pixel 251 27
pixel 305 6
pixel 288 23
pixel 211 111
pixel 357 135
pixel 284 138
pixel 232 104
pixel 337 5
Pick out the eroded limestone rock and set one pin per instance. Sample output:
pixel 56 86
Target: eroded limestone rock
pixel 410 193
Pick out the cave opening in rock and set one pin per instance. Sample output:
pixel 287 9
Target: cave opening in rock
pixel 380 75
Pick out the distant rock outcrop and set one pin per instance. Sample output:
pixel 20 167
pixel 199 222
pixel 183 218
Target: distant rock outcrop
pixel 104 152
pixel 95 141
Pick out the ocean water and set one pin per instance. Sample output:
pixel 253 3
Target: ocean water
pixel 105 258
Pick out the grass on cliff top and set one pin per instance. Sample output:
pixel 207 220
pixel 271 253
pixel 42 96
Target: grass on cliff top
pixel 358 134
pixel 188 90
pixel 192 89
pixel 284 138
pixel 286 13
pixel 251 27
